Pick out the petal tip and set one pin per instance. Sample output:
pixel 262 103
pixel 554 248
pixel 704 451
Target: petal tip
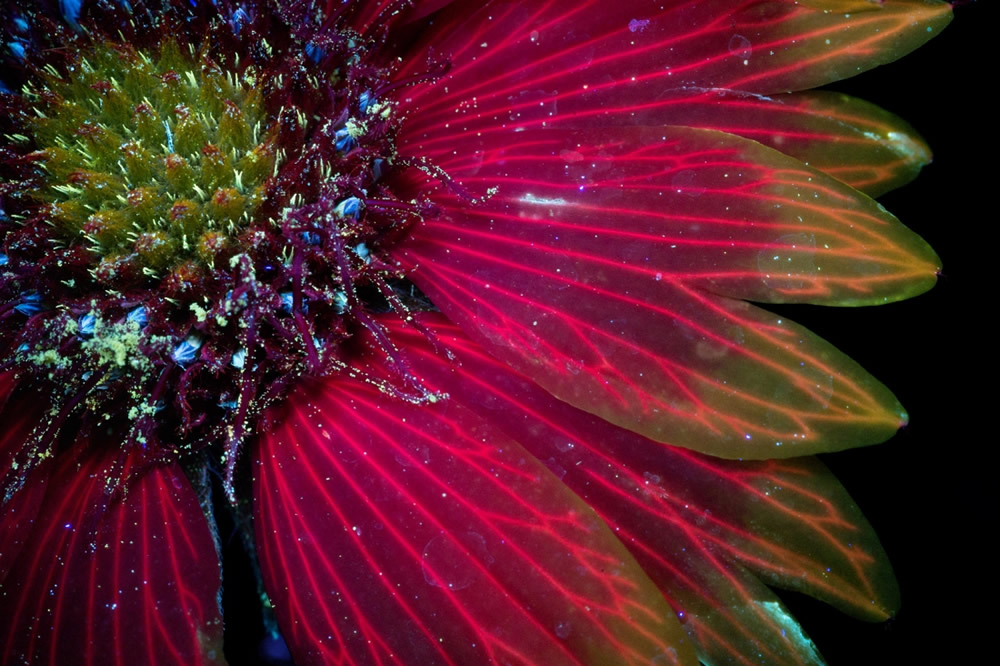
pixel 910 147
pixel 920 271
pixel 896 416
pixel 885 602
pixel 903 418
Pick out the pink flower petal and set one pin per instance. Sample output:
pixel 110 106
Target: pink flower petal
pixel 588 266
pixel 569 58
pixel 8 383
pixel 391 531
pixel 707 531
pixel 423 8
pixel 19 417
pixel 374 13
pixel 145 595
pixel 856 142
pixel 845 137
pixel 369 18
pixel 679 205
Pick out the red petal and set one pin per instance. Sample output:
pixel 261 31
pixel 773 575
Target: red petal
pixel 8 383
pixel 371 14
pixel 698 525
pixel 146 595
pixel 639 205
pixel 854 141
pixel 369 17
pixel 17 516
pixel 574 57
pixel 423 8
pixel 390 531
pixel 583 272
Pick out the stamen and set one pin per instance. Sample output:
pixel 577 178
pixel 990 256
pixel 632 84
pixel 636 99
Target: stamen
pixel 186 351
pixel 410 208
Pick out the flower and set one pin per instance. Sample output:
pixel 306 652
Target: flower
pixel 468 287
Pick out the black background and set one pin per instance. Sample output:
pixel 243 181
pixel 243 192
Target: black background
pixel 928 490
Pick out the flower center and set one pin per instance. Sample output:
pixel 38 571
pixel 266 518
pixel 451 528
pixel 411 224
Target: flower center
pixel 192 233
pixel 156 165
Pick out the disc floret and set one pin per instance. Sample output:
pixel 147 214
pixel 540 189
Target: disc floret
pixel 151 162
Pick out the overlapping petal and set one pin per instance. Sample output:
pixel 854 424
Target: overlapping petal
pixel 707 531
pixel 136 584
pixel 571 58
pixel 856 142
pixel 560 65
pixel 706 209
pixel 419 533
pixel 601 264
